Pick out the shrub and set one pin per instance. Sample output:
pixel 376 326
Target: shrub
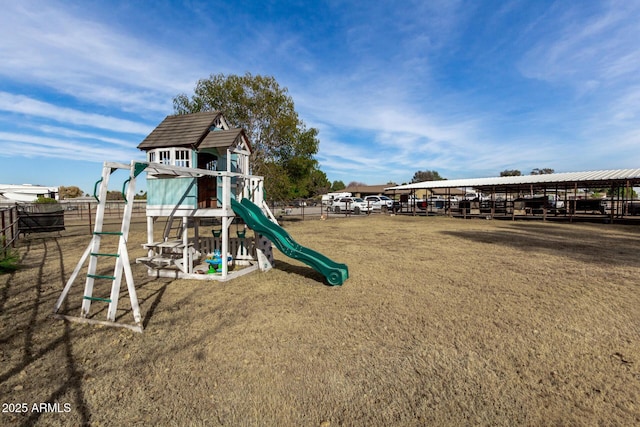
pixel 8 258
pixel 44 200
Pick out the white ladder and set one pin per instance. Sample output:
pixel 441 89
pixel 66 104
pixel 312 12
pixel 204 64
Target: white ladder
pixel 122 265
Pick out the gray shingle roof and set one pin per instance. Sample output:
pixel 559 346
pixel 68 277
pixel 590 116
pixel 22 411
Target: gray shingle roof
pixel 181 130
pixel 220 138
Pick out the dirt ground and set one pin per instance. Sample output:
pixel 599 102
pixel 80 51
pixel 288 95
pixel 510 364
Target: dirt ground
pixel 442 322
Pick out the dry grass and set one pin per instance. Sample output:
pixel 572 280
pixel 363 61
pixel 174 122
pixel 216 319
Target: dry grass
pixel 442 322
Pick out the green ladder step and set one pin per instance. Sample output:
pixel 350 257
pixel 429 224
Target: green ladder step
pixel 98 299
pixel 108 233
pixel 98 276
pixel 101 254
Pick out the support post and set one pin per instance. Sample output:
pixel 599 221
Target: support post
pixel 150 240
pixel 226 222
pixel 186 261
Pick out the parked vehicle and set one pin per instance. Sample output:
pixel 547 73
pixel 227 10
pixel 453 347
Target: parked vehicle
pixel 476 196
pixel 327 199
pixel 379 202
pixel 300 203
pixel 350 204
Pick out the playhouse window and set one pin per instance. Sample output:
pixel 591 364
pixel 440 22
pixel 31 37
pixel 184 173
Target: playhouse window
pixel 170 156
pixel 183 158
pixel 164 157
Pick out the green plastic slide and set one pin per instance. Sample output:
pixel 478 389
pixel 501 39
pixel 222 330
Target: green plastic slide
pixel 253 216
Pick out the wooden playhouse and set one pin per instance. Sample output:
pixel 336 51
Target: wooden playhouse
pixel 198 184
pixel 197 165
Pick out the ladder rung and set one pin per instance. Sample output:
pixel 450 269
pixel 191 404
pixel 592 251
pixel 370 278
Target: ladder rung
pixel 97 276
pixel 98 299
pixel 108 233
pixel 101 254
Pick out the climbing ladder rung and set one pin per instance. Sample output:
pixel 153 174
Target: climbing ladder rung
pixel 97 299
pixel 98 276
pixel 101 254
pixel 108 233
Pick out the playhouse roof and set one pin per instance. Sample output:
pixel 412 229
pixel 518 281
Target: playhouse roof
pixel 222 138
pixel 181 130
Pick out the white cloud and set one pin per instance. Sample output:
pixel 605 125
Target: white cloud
pixel 580 48
pixel 21 145
pixel 73 133
pixel 89 60
pixel 31 107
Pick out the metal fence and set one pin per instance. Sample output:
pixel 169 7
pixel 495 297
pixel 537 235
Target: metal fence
pixel 40 218
pixel 86 209
pixel 79 215
pixel 74 216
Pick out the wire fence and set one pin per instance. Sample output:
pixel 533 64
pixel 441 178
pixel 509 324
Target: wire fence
pixel 77 217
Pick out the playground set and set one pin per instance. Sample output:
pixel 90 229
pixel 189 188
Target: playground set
pixel 198 174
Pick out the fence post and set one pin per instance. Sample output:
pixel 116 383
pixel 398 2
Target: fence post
pixel 4 235
pixel 13 240
pixel 9 231
pixel 89 210
pixel 15 231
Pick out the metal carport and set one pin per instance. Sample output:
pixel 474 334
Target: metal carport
pixel 569 187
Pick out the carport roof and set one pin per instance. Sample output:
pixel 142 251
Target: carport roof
pixel 601 178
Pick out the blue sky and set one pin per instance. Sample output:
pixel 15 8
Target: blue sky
pixel 466 88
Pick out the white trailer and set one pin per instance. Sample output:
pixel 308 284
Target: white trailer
pixel 327 199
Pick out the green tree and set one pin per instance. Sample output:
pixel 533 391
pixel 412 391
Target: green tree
pixel 421 176
pixel 280 139
pixel 624 192
pixel 337 186
pixel 279 184
pixel 319 183
pixel 543 171
pixel 511 172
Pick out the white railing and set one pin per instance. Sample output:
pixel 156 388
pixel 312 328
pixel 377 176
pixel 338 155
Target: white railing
pixel 240 248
